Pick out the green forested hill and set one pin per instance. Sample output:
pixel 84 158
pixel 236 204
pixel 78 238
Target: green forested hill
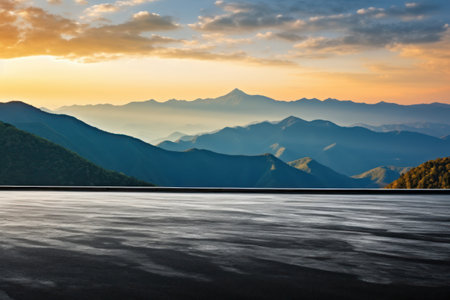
pixel 434 174
pixel 26 159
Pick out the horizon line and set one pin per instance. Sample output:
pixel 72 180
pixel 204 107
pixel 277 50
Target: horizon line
pixel 229 93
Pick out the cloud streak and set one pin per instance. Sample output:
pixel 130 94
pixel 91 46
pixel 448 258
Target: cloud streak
pixel 98 10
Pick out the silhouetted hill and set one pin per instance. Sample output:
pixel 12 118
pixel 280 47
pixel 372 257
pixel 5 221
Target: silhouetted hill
pixel 382 176
pixel 348 150
pixel 434 174
pixel 26 159
pixel 149 163
pixel 151 119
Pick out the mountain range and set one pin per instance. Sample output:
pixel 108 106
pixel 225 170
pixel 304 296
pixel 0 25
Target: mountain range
pixel 347 150
pixel 26 159
pixel 152 164
pixel 289 153
pixel 151 120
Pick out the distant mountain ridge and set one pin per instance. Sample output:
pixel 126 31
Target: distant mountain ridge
pixel 26 159
pixel 434 129
pixel 348 150
pixel 151 119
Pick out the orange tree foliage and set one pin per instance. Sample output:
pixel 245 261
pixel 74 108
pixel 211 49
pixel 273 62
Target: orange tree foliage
pixel 434 174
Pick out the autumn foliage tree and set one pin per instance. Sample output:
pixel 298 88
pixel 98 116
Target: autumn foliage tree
pixel 434 174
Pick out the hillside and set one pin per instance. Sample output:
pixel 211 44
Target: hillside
pixel 347 150
pixel 434 174
pixel 26 159
pixel 151 120
pixel 333 178
pixel 382 176
pixel 136 158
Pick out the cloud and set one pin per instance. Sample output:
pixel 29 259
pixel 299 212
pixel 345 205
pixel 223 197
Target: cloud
pixel 413 32
pixel 373 36
pixel 54 2
pixel 28 31
pixel 32 31
pixel 98 10
pixel 287 36
pixel 322 47
pixel 431 57
pixel 241 16
pixel 211 40
pixel 320 29
pixel 364 29
pixel 81 2
pixel 238 56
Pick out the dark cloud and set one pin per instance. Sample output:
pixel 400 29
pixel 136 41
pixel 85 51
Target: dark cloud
pixel 382 34
pixel 242 16
pixel 375 35
pixel 352 22
pixel 290 36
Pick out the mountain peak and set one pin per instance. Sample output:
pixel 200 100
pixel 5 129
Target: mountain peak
pixel 18 106
pixel 236 92
pixel 16 103
pixel 290 121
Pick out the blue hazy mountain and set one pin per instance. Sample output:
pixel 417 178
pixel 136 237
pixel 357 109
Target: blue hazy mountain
pixel 348 150
pixel 429 128
pixel 150 120
pixel 26 159
pixel 136 158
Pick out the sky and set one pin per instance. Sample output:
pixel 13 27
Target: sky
pixel 62 52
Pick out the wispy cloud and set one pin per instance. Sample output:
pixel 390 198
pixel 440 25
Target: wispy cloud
pixel 238 56
pixel 54 2
pixel 98 10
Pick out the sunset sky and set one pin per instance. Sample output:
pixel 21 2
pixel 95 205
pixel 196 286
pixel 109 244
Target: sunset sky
pixel 60 52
